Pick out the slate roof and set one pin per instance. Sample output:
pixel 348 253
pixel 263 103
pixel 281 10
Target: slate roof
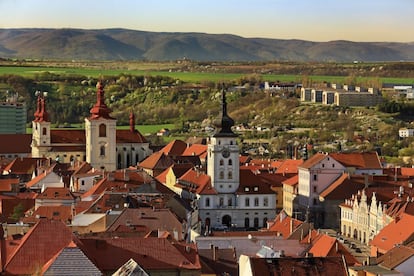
pixel 70 261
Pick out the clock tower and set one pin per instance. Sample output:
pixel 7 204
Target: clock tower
pixel 223 153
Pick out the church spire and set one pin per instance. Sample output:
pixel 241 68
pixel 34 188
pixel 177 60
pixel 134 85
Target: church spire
pixel 41 114
pixel 132 121
pixel 224 122
pixel 100 109
pixel 38 103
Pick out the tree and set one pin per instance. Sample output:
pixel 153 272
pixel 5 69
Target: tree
pixel 18 212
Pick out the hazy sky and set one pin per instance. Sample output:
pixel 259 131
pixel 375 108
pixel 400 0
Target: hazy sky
pixel 317 20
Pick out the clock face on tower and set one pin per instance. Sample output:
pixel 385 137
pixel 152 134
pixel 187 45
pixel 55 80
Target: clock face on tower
pixel 225 153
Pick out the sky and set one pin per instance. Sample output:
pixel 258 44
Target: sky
pixel 315 20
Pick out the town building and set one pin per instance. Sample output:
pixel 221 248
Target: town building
pixel 13 116
pixel 101 144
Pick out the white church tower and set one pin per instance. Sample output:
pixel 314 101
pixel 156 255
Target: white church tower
pixel 40 128
pixel 223 156
pixel 100 130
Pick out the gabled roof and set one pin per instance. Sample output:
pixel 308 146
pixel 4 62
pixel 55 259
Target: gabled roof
pixel 40 177
pixel 328 246
pixel 289 166
pixel 341 188
pixel 56 193
pixel 194 181
pixel 251 183
pixel 128 136
pixel 284 225
pixel 362 160
pixel 315 159
pixel 195 150
pixel 154 219
pixel 152 254
pixel 70 261
pixel 294 180
pixel 23 165
pixel 156 160
pixel 39 245
pixel 395 256
pixel 399 231
pixel 175 147
pixel 63 213
pixel 7 183
pixel 218 261
pixel 15 143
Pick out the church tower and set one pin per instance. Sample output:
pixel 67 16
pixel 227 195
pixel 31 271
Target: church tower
pixel 100 130
pixel 223 153
pixel 40 127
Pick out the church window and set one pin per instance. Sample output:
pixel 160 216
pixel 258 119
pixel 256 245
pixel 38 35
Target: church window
pixel 102 151
pixel 102 130
pixel 44 131
pixel 221 202
pixel 230 175
pixel 231 142
pixel 256 222
pixel 221 175
pixel 247 201
pixel 207 202
pixel 230 162
pixel 221 162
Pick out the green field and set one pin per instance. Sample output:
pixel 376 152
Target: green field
pixel 193 77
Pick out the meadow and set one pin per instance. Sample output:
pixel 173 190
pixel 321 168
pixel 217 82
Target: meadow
pixel 190 77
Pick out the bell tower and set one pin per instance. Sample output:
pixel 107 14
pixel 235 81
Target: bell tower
pixel 223 153
pixel 100 130
pixel 40 127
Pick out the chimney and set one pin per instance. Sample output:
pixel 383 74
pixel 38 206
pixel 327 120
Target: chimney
pixel 291 226
pixel 215 253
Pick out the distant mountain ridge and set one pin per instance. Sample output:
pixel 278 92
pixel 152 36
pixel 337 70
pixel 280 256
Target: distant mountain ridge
pixel 125 44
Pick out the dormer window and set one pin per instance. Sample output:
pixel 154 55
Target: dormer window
pixel 246 189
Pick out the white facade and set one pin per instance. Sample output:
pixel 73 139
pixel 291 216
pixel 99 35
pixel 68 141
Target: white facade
pixel 406 132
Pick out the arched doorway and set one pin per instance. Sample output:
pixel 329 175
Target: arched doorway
pixel 226 220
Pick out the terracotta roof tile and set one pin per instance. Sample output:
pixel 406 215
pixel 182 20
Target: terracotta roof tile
pixel 63 213
pixel 343 187
pixel 289 166
pixel 313 160
pixel 397 232
pixel 367 160
pixel 68 136
pixel 175 147
pixel 127 136
pixel 284 225
pixel 37 247
pixel 395 256
pixel 15 143
pixel 195 149
pixel 294 180
pixel 56 193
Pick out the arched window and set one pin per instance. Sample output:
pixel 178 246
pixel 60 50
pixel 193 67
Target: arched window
pixel 44 131
pixel 265 201
pixel 207 202
pixel 230 162
pixel 229 202
pixel 247 201
pixel 230 175
pixel 265 222
pixel 102 130
pixel 119 161
pixel 128 161
pixel 221 162
pixel 246 222
pixel 102 151
pixel 256 222
pixel 221 175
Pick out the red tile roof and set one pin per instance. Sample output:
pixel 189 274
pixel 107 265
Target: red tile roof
pixel 127 136
pixel 194 181
pixel 397 232
pixel 38 246
pixel 63 213
pixel 68 136
pixel 367 160
pixel 342 188
pixel 152 254
pixel 294 180
pixel 15 143
pixel 284 225
pixel 55 193
pixel 395 256
pixel 289 166
pixel 315 159
pixel 23 165
pixel 6 184
pixel 251 183
pixel 156 160
pixel 328 246
pixel 299 266
pixel 195 149
pixel 175 147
